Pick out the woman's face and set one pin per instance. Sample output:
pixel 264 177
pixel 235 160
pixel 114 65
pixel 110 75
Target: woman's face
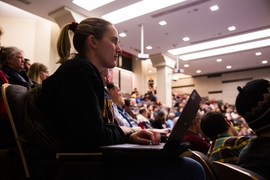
pixel 107 48
pixel 43 75
pixel 16 62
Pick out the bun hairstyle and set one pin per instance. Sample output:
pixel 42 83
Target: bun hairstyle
pixel 253 104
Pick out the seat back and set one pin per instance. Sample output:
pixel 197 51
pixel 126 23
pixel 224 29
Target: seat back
pixel 14 97
pixel 229 171
pixel 206 164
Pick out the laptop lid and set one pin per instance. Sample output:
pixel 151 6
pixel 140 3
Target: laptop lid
pixel 184 121
pixel 177 134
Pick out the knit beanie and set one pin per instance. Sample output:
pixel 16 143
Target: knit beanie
pixel 253 104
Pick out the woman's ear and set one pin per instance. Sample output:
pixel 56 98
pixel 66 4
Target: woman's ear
pixel 92 41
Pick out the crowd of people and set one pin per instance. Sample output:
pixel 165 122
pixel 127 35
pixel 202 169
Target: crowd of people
pixel 89 111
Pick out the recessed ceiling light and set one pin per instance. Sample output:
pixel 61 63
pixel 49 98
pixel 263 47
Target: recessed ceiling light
pixel 138 9
pixel 219 60
pixel 162 23
pixel 149 47
pixel 228 67
pixel 88 5
pixel 258 53
pixel 150 71
pixel 198 71
pixel 186 65
pixel 122 34
pixel 214 8
pixel 225 50
pixel 232 28
pixel 264 62
pixel 221 42
pixel 186 38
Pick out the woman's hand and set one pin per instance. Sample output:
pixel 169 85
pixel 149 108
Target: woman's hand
pixel 145 136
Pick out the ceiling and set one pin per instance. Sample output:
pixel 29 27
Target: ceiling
pixel 192 18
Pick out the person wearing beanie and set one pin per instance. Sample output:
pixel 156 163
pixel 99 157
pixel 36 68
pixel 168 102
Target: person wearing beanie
pixel 253 104
pixel 226 144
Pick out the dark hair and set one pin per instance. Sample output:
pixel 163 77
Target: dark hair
pixel 253 102
pixel 160 117
pixel 127 102
pixel 142 110
pixel 213 124
pixel 110 85
pixel 90 26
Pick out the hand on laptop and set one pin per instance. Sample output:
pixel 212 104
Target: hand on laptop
pixel 145 136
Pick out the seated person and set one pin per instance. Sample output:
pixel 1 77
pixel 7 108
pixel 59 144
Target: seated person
pixel 252 103
pixel 159 121
pixel 226 144
pixel 170 120
pixel 128 107
pixel 73 98
pixel 12 60
pixel 107 112
pixel 38 72
pixel 194 137
pixel 120 115
pixel 142 119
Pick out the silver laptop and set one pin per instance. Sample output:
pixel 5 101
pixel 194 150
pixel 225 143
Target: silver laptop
pixel 177 134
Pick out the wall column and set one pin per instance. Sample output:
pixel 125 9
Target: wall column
pixel 165 66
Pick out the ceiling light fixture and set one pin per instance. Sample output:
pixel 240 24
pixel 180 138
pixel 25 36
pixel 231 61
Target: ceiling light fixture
pixel 149 47
pixel 88 5
pixel 162 23
pixel 221 42
pixel 232 28
pixel 214 8
pixel 258 53
pixel 198 71
pixel 225 50
pixel 186 65
pixel 186 39
pixel 122 34
pixel 219 60
pixel 228 67
pixel 264 62
pixel 138 9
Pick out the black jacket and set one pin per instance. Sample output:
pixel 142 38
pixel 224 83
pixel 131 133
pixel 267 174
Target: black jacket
pixel 73 97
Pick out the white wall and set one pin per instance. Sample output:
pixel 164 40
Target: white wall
pixel 223 87
pixel 36 37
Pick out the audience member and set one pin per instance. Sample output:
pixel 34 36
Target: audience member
pixel 142 119
pixel 194 136
pixel 160 121
pixel 128 108
pixel 38 72
pixel 226 144
pixel 7 139
pixel 253 104
pixel 150 82
pixel 150 112
pixel 78 110
pixel 13 63
pixel 107 112
pixel 120 115
pixel 170 120
pixel 27 64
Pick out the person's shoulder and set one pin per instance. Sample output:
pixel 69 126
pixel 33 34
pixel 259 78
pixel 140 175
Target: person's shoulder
pixel 77 62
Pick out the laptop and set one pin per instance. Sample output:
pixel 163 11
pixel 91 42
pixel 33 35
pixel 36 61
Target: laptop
pixel 174 142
